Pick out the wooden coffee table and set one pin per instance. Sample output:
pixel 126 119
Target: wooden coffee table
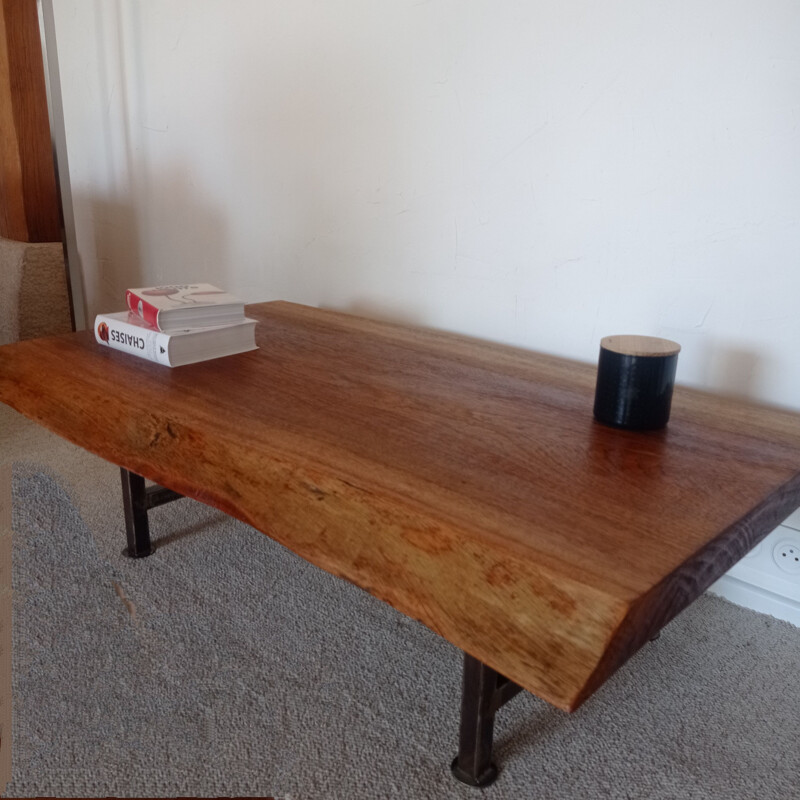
pixel 464 483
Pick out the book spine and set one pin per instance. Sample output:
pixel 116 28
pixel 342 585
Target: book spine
pixel 152 345
pixel 139 306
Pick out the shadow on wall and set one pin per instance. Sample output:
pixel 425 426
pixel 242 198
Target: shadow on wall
pixel 320 153
pixel 382 311
pixel 153 224
pixel 736 371
pixel 117 262
pixel 168 234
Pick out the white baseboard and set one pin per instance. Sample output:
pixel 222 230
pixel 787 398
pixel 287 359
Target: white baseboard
pixel 762 600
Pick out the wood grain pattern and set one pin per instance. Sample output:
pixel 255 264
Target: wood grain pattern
pixel 28 196
pixel 462 482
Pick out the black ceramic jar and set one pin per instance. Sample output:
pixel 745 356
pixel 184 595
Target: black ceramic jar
pixel 635 378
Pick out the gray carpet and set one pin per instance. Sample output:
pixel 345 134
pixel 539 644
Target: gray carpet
pixel 225 665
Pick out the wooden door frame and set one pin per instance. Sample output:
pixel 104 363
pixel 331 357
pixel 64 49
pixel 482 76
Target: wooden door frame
pixel 35 195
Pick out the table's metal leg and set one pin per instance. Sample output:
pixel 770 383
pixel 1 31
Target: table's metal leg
pixel 484 692
pixel 134 502
pixel 137 500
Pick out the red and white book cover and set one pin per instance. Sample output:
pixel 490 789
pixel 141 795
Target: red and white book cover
pixel 173 307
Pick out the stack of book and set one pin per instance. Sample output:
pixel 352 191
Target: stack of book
pixel 177 325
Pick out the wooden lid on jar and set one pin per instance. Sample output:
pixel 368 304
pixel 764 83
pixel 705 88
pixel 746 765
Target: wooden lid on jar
pixel 640 345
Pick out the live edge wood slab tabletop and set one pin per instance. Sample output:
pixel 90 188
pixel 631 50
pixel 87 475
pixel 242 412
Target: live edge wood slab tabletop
pixel 462 482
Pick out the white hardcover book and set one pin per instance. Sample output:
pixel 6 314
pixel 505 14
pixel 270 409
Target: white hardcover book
pixel 129 333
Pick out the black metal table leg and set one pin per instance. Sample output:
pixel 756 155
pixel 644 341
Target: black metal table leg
pixel 484 692
pixel 137 499
pixel 134 502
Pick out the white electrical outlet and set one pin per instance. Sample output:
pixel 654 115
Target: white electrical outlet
pixel 786 554
pixel 761 568
pixel 767 579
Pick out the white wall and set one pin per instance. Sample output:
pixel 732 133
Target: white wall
pixel 536 172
